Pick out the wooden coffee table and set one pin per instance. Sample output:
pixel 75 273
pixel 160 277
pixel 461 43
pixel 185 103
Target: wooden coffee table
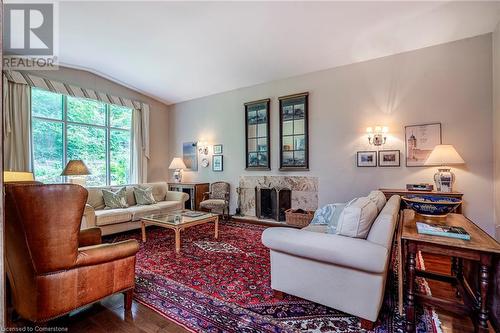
pixel 177 221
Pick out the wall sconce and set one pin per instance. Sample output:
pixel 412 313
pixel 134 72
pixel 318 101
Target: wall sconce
pixel 377 137
pixel 202 147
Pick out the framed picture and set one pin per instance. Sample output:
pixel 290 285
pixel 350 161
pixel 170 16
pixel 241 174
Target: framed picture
pixel 419 142
pixel 366 159
pixel 190 155
pixel 258 136
pixel 294 133
pixel 389 158
pixel 217 149
pixel 217 163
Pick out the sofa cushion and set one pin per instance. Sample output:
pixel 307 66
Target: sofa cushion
pixel 159 190
pixel 144 196
pixel 323 215
pixel 356 218
pixel 112 216
pixel 95 198
pixel 331 228
pixel 378 199
pixel 115 199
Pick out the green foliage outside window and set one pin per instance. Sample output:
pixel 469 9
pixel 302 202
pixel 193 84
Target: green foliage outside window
pixel 95 132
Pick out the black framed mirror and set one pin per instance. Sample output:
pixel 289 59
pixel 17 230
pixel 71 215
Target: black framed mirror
pixel 294 132
pixel 257 135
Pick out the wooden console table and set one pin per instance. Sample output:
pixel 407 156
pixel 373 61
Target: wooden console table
pixel 195 191
pixel 480 248
pixel 390 192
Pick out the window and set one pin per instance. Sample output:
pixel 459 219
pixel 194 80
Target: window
pixel 67 128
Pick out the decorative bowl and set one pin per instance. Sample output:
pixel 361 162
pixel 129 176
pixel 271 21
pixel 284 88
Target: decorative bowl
pixel 431 205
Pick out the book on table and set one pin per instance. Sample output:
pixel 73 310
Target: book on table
pixel 442 230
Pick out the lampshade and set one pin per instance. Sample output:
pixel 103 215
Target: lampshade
pixel 17 176
pixel 75 168
pixel 177 163
pixel 444 155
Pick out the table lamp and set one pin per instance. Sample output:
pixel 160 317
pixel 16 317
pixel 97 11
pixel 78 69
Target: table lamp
pixel 444 155
pixel 177 164
pixel 76 171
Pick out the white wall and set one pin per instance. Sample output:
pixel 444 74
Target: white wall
pixel 158 112
pixel 496 123
pixel 449 83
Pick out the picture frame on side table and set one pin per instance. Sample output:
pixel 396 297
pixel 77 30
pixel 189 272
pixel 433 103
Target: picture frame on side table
pixel 389 158
pixel 217 163
pixel 366 159
pixel 217 149
pixel 420 140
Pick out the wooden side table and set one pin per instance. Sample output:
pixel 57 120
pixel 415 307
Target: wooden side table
pixel 480 248
pixel 390 192
pixel 195 191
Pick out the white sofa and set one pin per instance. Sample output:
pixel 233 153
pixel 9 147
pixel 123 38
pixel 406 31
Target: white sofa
pixel 117 220
pixel 344 273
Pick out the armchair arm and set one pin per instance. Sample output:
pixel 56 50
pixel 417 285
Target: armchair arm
pixel 99 254
pixel 89 237
pixel 335 249
pixel 88 219
pixel 176 196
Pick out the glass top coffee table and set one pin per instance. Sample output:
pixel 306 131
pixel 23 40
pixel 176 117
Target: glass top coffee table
pixel 179 220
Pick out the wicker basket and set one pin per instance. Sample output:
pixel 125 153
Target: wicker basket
pixel 299 218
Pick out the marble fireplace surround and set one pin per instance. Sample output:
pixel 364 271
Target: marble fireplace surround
pixel 304 191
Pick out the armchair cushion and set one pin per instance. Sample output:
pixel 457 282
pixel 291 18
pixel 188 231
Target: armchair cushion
pixel 98 254
pixel 339 250
pixel 214 203
pixel 88 237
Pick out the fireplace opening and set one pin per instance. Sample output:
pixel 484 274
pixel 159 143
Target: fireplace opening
pixel 271 203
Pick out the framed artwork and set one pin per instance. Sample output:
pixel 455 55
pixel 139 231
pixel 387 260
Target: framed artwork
pixel 217 149
pixel 419 142
pixel 257 134
pixel 217 163
pixel 389 158
pixel 294 133
pixel 190 155
pixel 366 159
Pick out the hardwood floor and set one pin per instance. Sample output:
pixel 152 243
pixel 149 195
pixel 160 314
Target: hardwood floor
pixel 109 315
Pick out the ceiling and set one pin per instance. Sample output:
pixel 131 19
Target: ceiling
pixel 176 51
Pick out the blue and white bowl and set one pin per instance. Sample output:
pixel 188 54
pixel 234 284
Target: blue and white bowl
pixel 431 205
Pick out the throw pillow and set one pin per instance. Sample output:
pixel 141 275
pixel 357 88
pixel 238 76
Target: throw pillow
pixel 378 199
pixel 357 218
pixel 332 225
pixel 323 215
pixel 144 196
pixel 115 199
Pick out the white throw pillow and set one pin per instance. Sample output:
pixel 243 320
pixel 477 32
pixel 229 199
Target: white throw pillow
pixel 378 199
pixel 357 218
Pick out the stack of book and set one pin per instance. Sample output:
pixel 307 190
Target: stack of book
pixel 442 230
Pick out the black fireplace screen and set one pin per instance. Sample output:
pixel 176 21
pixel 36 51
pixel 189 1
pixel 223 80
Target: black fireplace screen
pixel 271 203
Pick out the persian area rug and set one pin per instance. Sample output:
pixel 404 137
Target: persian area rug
pixel 224 285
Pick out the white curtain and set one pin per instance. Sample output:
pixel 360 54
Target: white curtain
pixel 140 145
pixel 17 126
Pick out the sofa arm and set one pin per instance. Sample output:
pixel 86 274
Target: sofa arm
pixel 88 219
pixel 91 236
pixel 177 196
pixel 335 249
pixel 99 254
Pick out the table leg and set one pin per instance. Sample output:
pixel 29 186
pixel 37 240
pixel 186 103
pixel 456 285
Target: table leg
pixel 484 269
pixel 410 285
pixel 177 240
pixel 217 227
pixel 143 227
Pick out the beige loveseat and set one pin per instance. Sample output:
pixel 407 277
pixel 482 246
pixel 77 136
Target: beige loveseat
pixel 117 220
pixel 344 273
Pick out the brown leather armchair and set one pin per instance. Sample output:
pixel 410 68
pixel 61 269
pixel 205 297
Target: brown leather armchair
pixel 52 267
